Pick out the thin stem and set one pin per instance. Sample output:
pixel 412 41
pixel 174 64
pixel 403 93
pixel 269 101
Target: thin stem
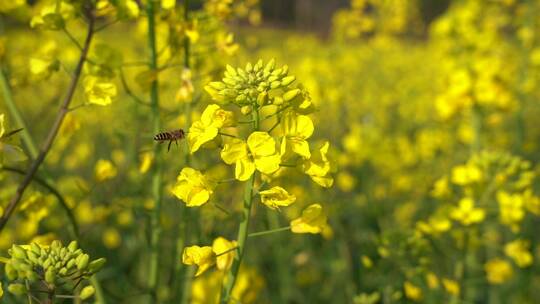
pixel 243 229
pixel 128 90
pixel 269 231
pixel 228 135
pixel 73 223
pixel 106 25
pixel 53 132
pixel 73 39
pixel 226 251
pixel 477 129
pixel 220 208
pixel 156 230
pixel 29 293
pixel 19 121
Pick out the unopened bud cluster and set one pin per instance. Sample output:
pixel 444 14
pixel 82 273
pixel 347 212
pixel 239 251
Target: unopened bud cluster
pixel 55 265
pixel 252 85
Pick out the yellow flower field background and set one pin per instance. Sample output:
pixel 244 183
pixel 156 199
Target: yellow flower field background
pixel 161 151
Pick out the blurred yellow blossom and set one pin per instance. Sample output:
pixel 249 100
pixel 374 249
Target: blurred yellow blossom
pixel 193 187
pixel 276 197
pixel 99 91
pixel 511 209
pixel 498 271
pixel 146 162
pixel 104 170
pixel 203 257
pixel 518 251
pixel 451 286
pixel 466 213
pixel 432 280
pixel 313 220
pixel 412 291
pixel 466 174
pixel 111 238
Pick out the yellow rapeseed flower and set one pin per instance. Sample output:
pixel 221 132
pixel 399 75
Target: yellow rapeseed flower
pixel 193 187
pixel 518 251
pixel 296 130
pixel 313 220
pixel 318 167
pixel 275 197
pixel 203 257
pixel 104 170
pixel 466 174
pixel 259 152
pixel 451 286
pixel 225 252
pixel 498 271
pixel 511 209
pixel 432 280
pixel 207 128
pixel 99 91
pixel 466 213
pixel 412 291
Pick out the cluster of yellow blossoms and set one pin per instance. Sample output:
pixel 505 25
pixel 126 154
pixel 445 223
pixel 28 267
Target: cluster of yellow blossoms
pixel 266 96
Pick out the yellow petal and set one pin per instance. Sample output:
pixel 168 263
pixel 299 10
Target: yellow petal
pixel 261 144
pixel 234 150
pixel 268 164
pixel 244 169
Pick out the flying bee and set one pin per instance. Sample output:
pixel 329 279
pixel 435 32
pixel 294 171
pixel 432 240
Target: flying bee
pixel 170 136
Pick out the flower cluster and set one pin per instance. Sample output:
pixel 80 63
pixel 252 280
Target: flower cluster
pixel 52 266
pixel 272 137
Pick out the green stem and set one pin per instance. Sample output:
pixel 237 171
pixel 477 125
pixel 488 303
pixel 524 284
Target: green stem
pixel 243 229
pixel 157 170
pixel 182 237
pixel 74 227
pixel 28 142
pixel 477 129
pixel 269 231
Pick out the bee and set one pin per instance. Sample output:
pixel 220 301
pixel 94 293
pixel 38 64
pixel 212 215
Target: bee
pixel 170 136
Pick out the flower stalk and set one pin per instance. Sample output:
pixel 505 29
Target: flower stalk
pixel 53 132
pixel 155 226
pixel 243 229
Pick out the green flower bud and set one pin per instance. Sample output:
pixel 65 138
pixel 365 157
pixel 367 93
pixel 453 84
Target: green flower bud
pixel 246 110
pixel 18 252
pixel 82 261
pixel 35 249
pixel 217 85
pixel 31 276
pixel 63 271
pixel 17 289
pixel 96 265
pixel 11 272
pixel 32 257
pixel 230 70
pixel 56 245
pixel 275 84
pixel 87 292
pixel 48 262
pixel 71 263
pixel 262 99
pixel 290 95
pixel 50 276
pixel 287 80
